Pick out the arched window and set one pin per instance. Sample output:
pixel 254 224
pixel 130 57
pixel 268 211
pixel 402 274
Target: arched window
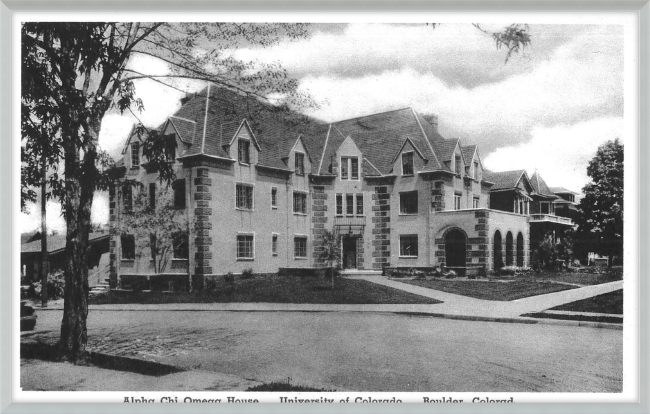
pixel 520 250
pixel 455 248
pixel 509 249
pixel 498 254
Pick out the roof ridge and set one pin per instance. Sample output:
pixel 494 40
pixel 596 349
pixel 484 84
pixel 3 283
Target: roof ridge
pixel 376 113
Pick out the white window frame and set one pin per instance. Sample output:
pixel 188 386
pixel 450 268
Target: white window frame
pixel 137 154
pixel 252 186
pixel 301 236
pixel 274 203
pixel 475 175
pixel 417 205
pixel 412 154
pixel 457 201
pixel 358 196
pixel 293 200
pixel 348 162
pixel 417 238
pixel 295 158
pixel 476 202
pixel 244 259
pixel 336 205
pixel 250 155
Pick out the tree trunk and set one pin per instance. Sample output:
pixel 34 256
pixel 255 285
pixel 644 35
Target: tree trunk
pixel 44 253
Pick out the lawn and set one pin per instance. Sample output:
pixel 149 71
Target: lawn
pixel 577 278
pixel 274 289
pixel 611 302
pixel 502 291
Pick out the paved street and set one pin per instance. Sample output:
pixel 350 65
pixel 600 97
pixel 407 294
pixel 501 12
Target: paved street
pixel 363 351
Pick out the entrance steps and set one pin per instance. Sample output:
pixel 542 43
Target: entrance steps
pixel 100 288
pixel 352 273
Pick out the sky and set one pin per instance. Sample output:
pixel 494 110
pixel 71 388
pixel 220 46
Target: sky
pixel 547 109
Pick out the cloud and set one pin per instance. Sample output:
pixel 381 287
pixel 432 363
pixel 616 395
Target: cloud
pixel 560 153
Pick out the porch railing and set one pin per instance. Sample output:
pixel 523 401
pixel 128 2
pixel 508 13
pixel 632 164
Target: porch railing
pixel 551 219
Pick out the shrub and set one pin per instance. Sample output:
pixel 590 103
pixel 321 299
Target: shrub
pixel 210 284
pixel 229 278
pixel 247 274
pixel 55 287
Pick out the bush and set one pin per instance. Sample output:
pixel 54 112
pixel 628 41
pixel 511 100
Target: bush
pixel 210 284
pixel 247 274
pixel 55 287
pixel 230 278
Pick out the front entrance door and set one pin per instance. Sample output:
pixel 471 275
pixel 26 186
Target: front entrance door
pixel 349 252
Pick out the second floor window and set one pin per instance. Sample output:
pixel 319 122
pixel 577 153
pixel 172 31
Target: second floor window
pixel 243 151
pixel 349 204
pixel 475 202
pixel 545 208
pixel 300 163
pixel 274 197
pixel 339 204
pixel 244 197
pixel 475 170
pixel 180 244
pixel 349 168
pixel 127 198
pixel 457 197
pixel 407 163
pixel 300 203
pixel 360 204
pixel 408 202
pixel 458 164
pixel 135 154
pixel 179 193
pixel 128 246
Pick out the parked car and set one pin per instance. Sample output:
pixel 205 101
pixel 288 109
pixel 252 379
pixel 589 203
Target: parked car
pixel 27 317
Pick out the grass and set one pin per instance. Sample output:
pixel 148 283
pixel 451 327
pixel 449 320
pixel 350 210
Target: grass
pixel 274 289
pixel 577 278
pixel 285 386
pixel 611 302
pixel 499 291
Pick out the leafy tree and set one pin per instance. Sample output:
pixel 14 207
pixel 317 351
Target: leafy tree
pixel 73 74
pixel 158 230
pixel 331 253
pixel 601 223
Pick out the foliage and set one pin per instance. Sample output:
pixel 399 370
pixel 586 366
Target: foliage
pixel 55 287
pixel 549 251
pixel 331 253
pixel 247 274
pixel 285 386
pixel 601 224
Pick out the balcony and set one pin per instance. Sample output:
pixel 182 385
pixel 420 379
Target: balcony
pixel 550 218
pixel 349 225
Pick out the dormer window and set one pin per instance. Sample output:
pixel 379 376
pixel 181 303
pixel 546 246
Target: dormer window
pixel 299 163
pixel 475 170
pixel 407 163
pixel 135 154
pixel 349 168
pixel 244 151
pixel 458 165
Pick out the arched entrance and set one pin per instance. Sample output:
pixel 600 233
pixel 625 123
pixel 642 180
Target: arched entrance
pixel 455 245
pixel 498 253
pixel 520 250
pixel 509 249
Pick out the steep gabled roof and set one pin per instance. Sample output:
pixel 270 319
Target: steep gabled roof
pixel 445 149
pixel 539 185
pixel 562 190
pixel 468 153
pixel 504 180
pixel 184 127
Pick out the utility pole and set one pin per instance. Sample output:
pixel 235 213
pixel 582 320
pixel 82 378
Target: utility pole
pixel 44 258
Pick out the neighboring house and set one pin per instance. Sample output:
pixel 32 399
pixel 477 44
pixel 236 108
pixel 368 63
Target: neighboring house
pixel 259 193
pixel 30 257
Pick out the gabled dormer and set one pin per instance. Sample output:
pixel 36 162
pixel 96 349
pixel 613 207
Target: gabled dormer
pixel 299 160
pixel 349 160
pixel 408 160
pixel 241 145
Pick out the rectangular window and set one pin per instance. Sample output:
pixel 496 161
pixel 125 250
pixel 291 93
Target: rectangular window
pixel 299 203
pixel 408 202
pixel 354 168
pixel 128 246
pixel 344 168
pixel 408 245
pixel 244 197
pixel 179 193
pixel 243 150
pixel 274 197
pixel 171 149
pixel 360 204
pixel 407 163
pixel 135 154
pixel 458 164
pixel 475 170
pixel 457 197
pixel 180 244
pixel 544 208
pixel 349 204
pixel 274 244
pixel 127 198
pixel 300 163
pixel 152 196
pixel 475 203
pixel 245 246
pixel 300 247
pixel 339 204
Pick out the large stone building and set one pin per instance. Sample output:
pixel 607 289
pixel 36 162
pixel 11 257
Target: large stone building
pixel 260 188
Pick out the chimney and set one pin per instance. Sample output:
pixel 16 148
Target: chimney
pixel 432 120
pixel 186 98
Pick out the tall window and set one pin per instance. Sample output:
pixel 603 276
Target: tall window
pixel 127 198
pixel 243 151
pixel 457 197
pixel 179 193
pixel 152 196
pixel 475 202
pixel 274 197
pixel 360 204
pixel 408 202
pixel 408 245
pixel 128 246
pixel 180 244
pixel 274 244
pixel 349 204
pixel 300 163
pixel 349 168
pixel 300 247
pixel 339 204
pixel 171 150
pixel 135 154
pixel 544 208
pixel 244 197
pixel 476 170
pixel 245 246
pixel 299 203
pixel 407 163
pixel 458 165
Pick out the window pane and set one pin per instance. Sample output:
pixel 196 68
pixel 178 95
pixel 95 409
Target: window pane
pixel 135 154
pixel 180 244
pixel 179 193
pixel 274 244
pixel 349 204
pixel 407 163
pixel 244 247
pixel 300 246
pixel 359 204
pixel 300 164
pixel 408 245
pixel 344 168
pixel 128 246
pixel 408 202
pixel 339 204
pixel 355 168
pixel 274 197
pixel 244 151
pixel 457 201
pixel 458 166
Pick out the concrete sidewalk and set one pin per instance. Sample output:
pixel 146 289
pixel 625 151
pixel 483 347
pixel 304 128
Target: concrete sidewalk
pixel 453 306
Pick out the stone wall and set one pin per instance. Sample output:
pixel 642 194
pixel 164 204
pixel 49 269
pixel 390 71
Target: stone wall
pixel 203 223
pixel 319 221
pixel 380 228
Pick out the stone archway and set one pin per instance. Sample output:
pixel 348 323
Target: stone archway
pixel 520 250
pixel 455 248
pixel 498 252
pixel 509 255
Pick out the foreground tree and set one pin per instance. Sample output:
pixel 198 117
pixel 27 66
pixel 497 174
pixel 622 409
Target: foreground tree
pixel 330 253
pixel 74 73
pixel 601 223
